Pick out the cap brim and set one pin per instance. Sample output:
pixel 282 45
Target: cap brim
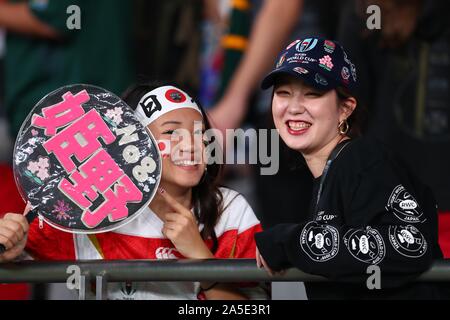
pixel 324 83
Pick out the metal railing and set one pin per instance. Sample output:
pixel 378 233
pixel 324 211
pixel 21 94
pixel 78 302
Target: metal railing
pixel 222 270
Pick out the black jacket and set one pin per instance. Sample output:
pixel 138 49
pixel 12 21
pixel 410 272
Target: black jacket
pixel 372 211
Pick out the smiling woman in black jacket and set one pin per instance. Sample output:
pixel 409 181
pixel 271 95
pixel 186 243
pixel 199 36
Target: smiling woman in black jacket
pixel 366 208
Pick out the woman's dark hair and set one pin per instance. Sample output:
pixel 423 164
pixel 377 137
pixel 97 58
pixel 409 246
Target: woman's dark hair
pixel 357 120
pixel 206 196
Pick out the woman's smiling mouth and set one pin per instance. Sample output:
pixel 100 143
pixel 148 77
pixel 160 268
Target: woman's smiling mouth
pixel 297 127
pixel 189 165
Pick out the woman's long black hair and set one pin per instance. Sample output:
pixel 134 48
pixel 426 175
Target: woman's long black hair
pixel 206 196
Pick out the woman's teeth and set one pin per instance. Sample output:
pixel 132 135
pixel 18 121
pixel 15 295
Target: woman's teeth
pixel 185 163
pixel 298 125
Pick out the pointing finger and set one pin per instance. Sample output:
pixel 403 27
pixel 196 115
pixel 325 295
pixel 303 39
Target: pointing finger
pixel 171 201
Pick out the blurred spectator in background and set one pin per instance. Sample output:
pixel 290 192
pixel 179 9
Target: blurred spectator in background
pixel 405 69
pixel 46 49
pixel 167 39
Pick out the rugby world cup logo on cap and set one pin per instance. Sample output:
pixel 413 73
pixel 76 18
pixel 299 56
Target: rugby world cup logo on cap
pixel 293 43
pixel 306 45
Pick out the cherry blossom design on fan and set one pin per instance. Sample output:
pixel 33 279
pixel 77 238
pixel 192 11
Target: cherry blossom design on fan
pixel 38 170
pixel 115 115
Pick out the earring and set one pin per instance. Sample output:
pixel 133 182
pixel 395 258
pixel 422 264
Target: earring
pixel 343 127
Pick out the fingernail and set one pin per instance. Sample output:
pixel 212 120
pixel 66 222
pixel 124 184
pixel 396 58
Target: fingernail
pixel 161 190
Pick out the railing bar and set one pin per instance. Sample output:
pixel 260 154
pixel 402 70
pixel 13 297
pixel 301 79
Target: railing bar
pixel 225 270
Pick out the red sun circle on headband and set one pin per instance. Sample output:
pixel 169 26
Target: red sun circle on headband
pixel 175 96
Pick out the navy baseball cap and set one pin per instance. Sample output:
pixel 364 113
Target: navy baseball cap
pixel 321 63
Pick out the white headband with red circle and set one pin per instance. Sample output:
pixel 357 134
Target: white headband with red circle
pixel 161 100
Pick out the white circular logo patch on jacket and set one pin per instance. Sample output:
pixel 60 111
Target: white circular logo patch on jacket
pixel 408 241
pixel 320 242
pixel 404 206
pixel 365 245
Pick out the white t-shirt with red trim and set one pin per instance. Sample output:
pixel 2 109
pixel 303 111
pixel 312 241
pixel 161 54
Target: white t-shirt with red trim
pixel 142 238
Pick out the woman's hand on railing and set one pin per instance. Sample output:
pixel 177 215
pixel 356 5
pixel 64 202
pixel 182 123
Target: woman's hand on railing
pixel 13 235
pixel 261 263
